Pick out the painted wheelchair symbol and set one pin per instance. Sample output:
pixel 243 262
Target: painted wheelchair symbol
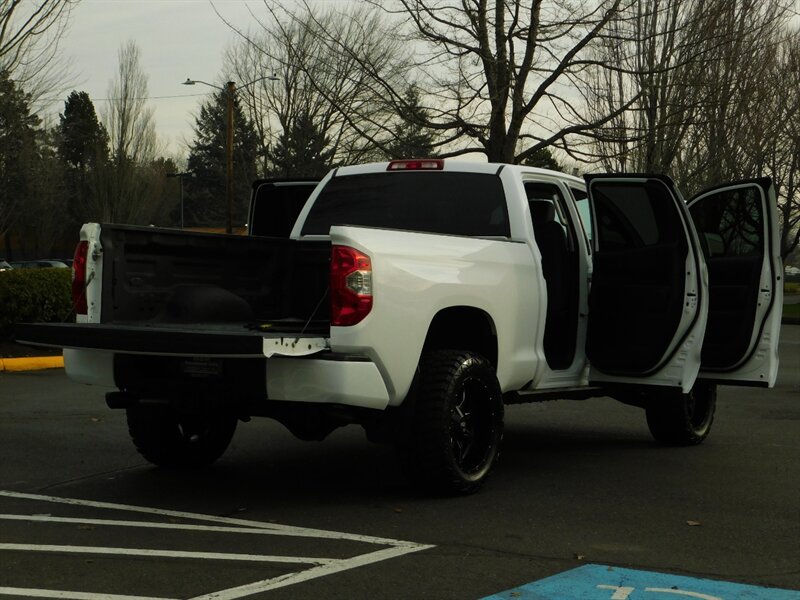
pixel 624 592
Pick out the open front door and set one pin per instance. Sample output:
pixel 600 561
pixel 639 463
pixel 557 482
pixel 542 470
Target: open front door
pixel 648 298
pixel 737 224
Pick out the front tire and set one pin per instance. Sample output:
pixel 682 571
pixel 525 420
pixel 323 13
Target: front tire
pixel 683 419
pixel 457 427
pixel 168 438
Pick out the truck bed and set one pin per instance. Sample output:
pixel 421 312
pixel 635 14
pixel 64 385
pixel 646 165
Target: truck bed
pixel 167 276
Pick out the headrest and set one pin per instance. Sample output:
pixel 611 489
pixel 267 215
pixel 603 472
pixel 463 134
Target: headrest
pixel 542 211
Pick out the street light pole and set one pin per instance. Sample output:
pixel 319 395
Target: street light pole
pixel 180 177
pixel 230 91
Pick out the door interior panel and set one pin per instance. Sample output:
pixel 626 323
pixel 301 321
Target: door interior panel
pixel 635 307
pixel 731 225
pixel 733 299
pixel 636 300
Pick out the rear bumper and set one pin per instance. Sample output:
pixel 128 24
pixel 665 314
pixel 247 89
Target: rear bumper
pixel 322 379
pixel 349 382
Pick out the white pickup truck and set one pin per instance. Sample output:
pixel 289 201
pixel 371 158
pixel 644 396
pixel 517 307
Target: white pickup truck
pixel 417 297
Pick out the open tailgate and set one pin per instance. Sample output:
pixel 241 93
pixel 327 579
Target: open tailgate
pixel 195 339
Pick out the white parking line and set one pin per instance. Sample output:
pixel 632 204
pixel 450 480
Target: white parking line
pixel 142 524
pixel 31 593
pixel 322 566
pixel 293 578
pixel 278 529
pixel 165 553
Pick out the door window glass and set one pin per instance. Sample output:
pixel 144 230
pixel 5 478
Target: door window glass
pixel 633 215
pixel 582 204
pixel 730 222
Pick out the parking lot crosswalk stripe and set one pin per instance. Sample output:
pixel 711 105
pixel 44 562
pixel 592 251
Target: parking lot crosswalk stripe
pixel 34 593
pixel 166 553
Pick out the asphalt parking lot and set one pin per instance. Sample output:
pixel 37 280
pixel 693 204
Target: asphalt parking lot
pixel 579 484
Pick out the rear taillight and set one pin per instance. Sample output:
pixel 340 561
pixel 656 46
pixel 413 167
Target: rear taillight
pixel 79 278
pixel 351 286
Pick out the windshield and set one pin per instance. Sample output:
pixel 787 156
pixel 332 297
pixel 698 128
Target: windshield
pixel 468 204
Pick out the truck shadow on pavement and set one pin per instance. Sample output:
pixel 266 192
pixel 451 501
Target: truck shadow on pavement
pixel 346 469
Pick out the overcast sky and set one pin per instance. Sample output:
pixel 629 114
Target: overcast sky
pixel 176 38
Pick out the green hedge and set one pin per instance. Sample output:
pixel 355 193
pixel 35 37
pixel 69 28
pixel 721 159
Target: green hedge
pixel 34 295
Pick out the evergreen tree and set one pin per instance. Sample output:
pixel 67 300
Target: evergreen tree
pixel 411 139
pixel 84 140
pixel 543 159
pixel 168 212
pixel 83 148
pixel 45 227
pixel 302 150
pixel 123 190
pixel 17 150
pixel 205 194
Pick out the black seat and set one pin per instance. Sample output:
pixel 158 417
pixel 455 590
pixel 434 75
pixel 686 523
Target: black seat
pixel 552 242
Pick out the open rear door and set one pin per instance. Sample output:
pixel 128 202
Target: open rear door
pixel 275 205
pixel 738 228
pixel 648 299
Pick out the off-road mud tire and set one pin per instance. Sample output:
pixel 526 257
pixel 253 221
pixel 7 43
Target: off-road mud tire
pixel 457 426
pixel 168 438
pixel 683 419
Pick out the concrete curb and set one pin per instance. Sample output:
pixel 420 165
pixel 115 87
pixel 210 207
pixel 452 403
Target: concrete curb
pixel 31 363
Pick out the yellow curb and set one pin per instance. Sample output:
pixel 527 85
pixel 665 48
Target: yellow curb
pixel 31 363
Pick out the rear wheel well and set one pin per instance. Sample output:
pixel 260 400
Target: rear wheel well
pixel 463 328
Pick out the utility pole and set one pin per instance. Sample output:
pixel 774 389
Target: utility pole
pixel 230 91
pixel 229 156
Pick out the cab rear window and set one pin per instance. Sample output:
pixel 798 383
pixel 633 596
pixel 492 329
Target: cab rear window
pixel 467 204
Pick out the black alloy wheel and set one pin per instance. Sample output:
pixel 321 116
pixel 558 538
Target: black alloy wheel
pixel 457 427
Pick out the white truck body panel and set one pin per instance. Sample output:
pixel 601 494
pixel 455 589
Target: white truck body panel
pixel 92 367
pixel 355 383
pixel 417 275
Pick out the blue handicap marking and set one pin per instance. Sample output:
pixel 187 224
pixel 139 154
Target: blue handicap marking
pixel 600 582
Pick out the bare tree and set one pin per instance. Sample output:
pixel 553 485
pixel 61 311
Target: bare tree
pixel 124 192
pixel 655 56
pixel 736 85
pixel 30 33
pixel 772 142
pixel 129 118
pixel 712 99
pixel 330 88
pixel 495 77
